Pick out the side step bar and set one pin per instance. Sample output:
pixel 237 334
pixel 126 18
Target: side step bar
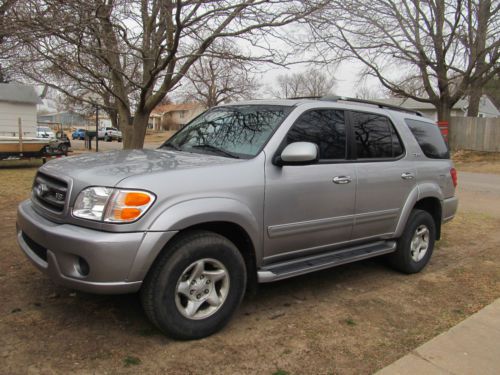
pixel 290 268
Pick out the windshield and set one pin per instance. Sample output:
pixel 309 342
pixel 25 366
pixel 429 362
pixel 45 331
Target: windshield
pixel 233 131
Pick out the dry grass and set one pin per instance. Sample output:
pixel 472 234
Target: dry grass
pixel 475 161
pixel 159 136
pixel 352 319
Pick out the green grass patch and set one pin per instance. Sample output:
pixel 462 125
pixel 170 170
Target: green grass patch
pixel 131 361
pixel 350 322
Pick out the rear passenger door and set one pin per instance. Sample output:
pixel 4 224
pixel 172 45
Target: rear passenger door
pixel 385 177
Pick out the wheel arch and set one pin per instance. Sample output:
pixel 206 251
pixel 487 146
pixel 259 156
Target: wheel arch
pixel 228 217
pixel 241 239
pixel 425 197
pixel 159 243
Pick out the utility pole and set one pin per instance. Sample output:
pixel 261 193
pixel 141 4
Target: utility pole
pixel 96 128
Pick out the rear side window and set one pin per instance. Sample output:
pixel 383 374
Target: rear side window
pixel 429 138
pixel 375 137
pixel 324 127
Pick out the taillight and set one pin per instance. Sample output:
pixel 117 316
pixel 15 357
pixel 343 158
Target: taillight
pixel 454 177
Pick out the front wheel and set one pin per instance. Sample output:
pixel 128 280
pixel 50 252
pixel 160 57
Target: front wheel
pixel 415 246
pixel 195 285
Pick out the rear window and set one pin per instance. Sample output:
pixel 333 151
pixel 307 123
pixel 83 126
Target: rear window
pixel 429 138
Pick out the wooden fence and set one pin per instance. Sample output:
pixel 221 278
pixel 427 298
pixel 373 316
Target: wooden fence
pixel 474 133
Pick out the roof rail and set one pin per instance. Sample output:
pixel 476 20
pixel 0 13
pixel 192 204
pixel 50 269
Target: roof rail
pixel 335 98
pixel 305 97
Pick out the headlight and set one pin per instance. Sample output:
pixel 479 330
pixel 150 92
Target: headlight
pixel 112 205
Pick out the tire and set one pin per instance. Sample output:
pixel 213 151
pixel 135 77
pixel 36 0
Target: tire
pixel 173 286
pixel 63 148
pixel 119 140
pixel 410 258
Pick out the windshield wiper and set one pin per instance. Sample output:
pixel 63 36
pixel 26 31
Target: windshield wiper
pixel 217 150
pixel 171 145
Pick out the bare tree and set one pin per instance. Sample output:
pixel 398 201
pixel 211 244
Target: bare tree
pixel 310 83
pixel 448 45
pixel 222 78
pixel 137 51
pixel 366 92
pixel 492 89
pixel 7 31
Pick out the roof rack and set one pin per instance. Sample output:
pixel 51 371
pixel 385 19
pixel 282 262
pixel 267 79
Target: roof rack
pixel 304 97
pixel 335 98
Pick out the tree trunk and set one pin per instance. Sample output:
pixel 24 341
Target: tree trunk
pixel 474 99
pixel 443 109
pixel 134 132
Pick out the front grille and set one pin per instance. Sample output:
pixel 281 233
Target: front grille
pixel 35 247
pixel 50 192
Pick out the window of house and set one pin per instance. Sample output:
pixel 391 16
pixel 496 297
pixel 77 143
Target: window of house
pixel 375 136
pixel 324 127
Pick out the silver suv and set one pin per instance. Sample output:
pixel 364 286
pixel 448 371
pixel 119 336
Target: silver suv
pixel 246 193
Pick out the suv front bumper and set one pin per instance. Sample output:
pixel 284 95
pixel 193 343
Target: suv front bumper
pixel 87 259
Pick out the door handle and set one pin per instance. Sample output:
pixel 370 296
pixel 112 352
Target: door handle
pixel 342 180
pixel 407 176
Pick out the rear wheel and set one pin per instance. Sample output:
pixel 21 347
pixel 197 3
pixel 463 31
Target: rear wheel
pixel 195 285
pixel 416 244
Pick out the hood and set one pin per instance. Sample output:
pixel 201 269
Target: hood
pixel 109 168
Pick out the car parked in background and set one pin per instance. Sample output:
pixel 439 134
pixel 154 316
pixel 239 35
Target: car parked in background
pixel 45 132
pixel 78 134
pixel 110 134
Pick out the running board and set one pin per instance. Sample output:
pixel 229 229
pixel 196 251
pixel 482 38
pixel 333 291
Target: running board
pixel 284 270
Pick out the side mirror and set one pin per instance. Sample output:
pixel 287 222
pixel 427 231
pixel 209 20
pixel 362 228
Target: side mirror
pixel 298 153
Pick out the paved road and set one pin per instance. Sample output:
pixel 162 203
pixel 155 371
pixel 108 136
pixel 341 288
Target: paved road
pixel 479 192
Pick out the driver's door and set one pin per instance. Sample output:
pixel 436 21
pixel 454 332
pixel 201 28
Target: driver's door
pixel 310 208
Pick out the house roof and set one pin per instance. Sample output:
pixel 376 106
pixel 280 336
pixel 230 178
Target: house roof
pixel 17 93
pixel 165 108
pixel 485 104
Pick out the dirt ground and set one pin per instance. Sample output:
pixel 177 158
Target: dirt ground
pixel 352 319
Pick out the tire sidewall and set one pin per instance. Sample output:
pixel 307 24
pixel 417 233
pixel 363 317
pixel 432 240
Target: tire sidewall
pixel 168 316
pixel 417 218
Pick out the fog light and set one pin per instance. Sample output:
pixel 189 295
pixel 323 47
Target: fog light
pixel 83 267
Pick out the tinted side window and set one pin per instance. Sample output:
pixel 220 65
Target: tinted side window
pixel 375 137
pixel 429 138
pixel 326 128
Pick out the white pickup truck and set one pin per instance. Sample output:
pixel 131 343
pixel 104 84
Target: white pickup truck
pixel 110 134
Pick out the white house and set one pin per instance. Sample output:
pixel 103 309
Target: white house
pixel 486 107
pixel 18 102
